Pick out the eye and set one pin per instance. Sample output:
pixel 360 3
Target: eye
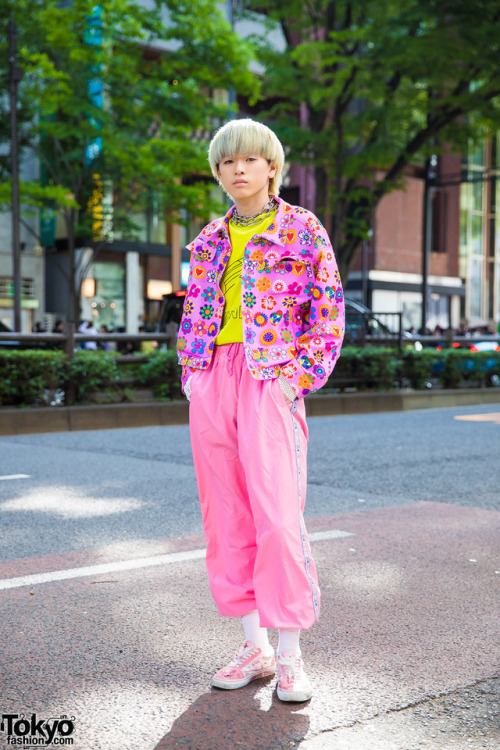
pixel 251 158
pixel 227 161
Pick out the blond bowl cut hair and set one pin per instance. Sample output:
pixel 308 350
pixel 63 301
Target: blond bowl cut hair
pixel 247 137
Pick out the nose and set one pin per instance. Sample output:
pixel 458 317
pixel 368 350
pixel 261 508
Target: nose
pixel 239 167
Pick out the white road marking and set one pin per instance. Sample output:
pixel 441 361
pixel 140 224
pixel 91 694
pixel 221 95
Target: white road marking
pixel 14 476
pixel 96 570
pixel 141 562
pixel 320 536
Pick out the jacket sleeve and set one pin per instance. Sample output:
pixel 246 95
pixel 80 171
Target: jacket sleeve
pixel 318 347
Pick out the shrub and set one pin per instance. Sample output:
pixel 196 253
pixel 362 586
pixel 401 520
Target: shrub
pixel 26 376
pixel 92 371
pixel 417 368
pixel 44 377
pixel 475 368
pixel 369 367
pixel 162 373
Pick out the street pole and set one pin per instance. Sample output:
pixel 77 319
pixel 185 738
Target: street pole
pixel 14 78
pixel 429 186
pixel 364 268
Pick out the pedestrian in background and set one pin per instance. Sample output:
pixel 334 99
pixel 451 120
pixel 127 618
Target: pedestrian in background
pixel 58 327
pixel 87 326
pixel 147 347
pixel 104 345
pixel 262 327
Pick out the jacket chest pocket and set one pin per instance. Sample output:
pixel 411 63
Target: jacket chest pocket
pixel 289 275
pixel 208 269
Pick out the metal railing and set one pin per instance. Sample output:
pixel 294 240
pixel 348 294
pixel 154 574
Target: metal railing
pixel 71 339
pixel 374 328
pixel 357 337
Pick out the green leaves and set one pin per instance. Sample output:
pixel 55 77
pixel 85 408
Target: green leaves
pixel 122 90
pixel 364 88
pixel 120 94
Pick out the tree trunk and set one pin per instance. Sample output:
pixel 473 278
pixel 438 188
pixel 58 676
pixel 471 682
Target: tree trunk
pixel 320 208
pixel 74 305
pixel 346 254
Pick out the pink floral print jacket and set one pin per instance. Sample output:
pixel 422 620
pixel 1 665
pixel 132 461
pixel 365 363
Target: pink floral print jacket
pixel 292 302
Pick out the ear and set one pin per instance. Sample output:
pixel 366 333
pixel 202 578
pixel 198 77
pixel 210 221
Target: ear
pixel 273 169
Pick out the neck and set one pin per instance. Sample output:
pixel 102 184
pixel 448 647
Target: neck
pixel 250 206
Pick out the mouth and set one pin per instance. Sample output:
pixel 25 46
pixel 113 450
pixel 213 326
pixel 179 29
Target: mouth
pixel 240 182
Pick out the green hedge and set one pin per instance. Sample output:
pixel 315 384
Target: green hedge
pixel 162 374
pixel 37 377
pixel 374 368
pixel 92 372
pixel 26 377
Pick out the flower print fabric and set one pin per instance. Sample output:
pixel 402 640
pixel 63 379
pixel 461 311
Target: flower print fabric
pixel 292 305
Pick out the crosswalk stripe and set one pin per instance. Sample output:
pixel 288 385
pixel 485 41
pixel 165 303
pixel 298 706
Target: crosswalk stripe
pixel 136 564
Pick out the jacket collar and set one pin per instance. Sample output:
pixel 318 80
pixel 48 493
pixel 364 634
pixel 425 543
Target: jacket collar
pixel 281 220
pixel 205 245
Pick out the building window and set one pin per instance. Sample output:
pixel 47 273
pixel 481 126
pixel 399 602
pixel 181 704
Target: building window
pixel 108 305
pixel 473 232
pixel 494 238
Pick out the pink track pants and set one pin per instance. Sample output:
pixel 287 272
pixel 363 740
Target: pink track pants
pixel 249 450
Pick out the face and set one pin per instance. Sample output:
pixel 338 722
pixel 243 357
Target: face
pixel 246 178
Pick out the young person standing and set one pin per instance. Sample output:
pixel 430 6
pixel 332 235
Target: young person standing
pixel 262 327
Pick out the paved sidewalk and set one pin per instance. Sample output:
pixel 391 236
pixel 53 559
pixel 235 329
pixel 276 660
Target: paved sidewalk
pixel 465 719
pixel 406 655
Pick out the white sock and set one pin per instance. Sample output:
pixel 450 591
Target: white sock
pixel 288 640
pixel 253 632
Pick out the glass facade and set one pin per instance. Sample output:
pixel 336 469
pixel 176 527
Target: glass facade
pixel 479 259
pixel 149 224
pixel 108 305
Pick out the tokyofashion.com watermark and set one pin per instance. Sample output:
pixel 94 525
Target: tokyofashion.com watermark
pixel 23 730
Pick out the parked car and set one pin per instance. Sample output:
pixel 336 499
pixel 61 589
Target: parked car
pixel 9 344
pixel 171 309
pixel 15 344
pixel 485 346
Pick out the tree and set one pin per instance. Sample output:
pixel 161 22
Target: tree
pixel 365 88
pixel 116 103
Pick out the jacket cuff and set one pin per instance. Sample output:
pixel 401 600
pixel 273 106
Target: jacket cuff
pixel 187 388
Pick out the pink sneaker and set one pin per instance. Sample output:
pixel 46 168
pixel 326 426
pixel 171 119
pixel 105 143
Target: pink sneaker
pixel 248 664
pixel 293 683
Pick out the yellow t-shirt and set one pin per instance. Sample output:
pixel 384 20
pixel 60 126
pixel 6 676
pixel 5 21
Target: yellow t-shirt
pixel 231 330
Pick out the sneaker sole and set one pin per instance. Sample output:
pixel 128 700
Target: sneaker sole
pixel 294 697
pixel 235 684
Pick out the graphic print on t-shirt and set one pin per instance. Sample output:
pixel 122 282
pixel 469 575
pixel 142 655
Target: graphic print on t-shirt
pixel 231 278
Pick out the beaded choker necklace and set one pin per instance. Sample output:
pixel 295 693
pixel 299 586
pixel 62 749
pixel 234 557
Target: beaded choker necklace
pixel 240 220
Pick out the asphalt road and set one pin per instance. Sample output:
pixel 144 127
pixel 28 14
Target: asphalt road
pixel 88 489
pixel 105 613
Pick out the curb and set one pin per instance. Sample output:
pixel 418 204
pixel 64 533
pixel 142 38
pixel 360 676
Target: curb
pixel 160 414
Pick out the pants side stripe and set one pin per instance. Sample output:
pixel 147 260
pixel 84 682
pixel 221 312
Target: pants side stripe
pixel 303 533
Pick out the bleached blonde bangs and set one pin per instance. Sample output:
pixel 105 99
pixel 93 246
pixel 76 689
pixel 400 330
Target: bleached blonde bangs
pixel 247 137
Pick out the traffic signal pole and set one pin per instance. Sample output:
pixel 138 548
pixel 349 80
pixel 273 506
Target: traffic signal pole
pixel 14 78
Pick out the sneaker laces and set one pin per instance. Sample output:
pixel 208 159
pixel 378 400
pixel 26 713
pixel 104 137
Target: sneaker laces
pixel 291 665
pixel 243 654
